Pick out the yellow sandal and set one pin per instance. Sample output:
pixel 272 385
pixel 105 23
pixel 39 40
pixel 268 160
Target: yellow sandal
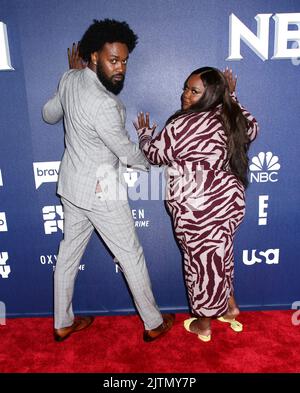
pixel 234 324
pixel 201 337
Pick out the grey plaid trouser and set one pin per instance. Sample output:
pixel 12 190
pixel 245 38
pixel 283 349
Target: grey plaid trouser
pixel 114 223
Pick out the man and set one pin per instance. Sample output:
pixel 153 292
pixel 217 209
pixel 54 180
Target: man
pixel 96 142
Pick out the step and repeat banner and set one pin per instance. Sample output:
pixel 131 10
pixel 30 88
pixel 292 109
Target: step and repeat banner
pixel 259 40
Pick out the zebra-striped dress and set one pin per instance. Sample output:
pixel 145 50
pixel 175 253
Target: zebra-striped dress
pixel 206 201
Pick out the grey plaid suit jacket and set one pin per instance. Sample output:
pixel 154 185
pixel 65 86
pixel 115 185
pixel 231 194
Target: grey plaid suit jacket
pixel 95 135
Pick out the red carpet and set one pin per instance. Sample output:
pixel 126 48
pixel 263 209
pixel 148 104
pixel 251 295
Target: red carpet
pixel 268 344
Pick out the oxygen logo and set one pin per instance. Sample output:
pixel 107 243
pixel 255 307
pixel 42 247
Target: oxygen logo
pixel 140 220
pixel 270 257
pixel 51 259
pixel 264 168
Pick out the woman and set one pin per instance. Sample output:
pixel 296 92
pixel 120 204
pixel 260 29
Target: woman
pixel 205 147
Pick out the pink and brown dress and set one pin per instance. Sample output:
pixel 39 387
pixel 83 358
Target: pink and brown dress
pixel 206 202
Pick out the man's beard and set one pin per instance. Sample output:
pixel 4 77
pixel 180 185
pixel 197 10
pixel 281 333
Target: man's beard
pixel 113 87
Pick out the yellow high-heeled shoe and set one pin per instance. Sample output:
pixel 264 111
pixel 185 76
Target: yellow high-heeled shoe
pixel 234 324
pixel 201 337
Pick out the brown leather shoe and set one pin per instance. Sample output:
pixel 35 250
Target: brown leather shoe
pixel 80 323
pixel 150 335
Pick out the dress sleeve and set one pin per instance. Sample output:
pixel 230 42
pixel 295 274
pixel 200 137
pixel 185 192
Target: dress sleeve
pixel 253 127
pixel 160 149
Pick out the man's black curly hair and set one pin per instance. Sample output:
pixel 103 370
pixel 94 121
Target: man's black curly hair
pixel 103 31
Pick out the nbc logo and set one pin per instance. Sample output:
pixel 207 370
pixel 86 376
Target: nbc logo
pixel 264 168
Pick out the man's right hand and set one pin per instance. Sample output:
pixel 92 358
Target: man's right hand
pixel 75 61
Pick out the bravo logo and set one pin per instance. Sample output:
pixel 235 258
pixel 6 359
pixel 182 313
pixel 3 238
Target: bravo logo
pixel 264 168
pixel 259 43
pixel 45 172
pixel 5 63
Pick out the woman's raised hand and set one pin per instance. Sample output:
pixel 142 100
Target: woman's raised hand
pixel 231 80
pixel 143 121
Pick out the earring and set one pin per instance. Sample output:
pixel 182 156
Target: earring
pixel 94 62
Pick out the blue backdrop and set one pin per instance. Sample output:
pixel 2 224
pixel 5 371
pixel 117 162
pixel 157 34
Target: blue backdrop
pixel 175 37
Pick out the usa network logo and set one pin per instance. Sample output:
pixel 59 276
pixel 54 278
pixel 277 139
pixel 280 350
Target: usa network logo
pixel 264 168
pixel 45 172
pixel 270 257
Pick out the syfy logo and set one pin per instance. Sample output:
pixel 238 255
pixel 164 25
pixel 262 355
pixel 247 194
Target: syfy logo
pixel 3 223
pixel 5 63
pixel 264 168
pixel 1 181
pixel 45 172
pixel 260 43
pixel 53 217
pixel 270 257
pixel 4 269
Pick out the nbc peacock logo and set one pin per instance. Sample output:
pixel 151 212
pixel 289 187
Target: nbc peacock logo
pixel 264 168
